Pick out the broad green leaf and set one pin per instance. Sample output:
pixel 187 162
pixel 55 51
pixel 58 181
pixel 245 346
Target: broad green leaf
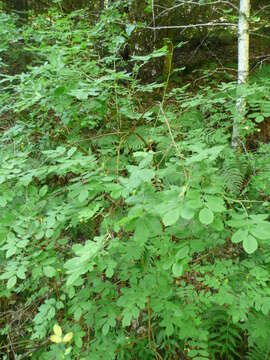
pixel 50 221
pixel 80 94
pixel 43 191
pixel 109 272
pixel 259 118
pixel 206 216
pixel 77 313
pixel 187 213
pixel 237 223
pixel 105 329
pixel 22 243
pixel 49 233
pixel 141 232
pixel 217 224
pixel 260 232
pixel 68 351
pixel 114 189
pixel 215 203
pixel 88 212
pixel 139 176
pixel 49 271
pixel 21 273
pixel 71 151
pixel 68 337
pixel 177 269
pixel 11 251
pixel 182 253
pixel 156 53
pixel 250 244
pixel 195 204
pixel 3 201
pixel 154 227
pixel 171 217
pixel 73 278
pixel 40 235
pixel 11 282
pixel 126 319
pixel 259 218
pixel 239 236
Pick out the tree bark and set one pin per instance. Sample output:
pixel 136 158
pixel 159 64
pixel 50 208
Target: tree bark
pixel 101 5
pixel 243 66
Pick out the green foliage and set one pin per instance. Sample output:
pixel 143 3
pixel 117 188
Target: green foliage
pixel 127 230
pixel 225 338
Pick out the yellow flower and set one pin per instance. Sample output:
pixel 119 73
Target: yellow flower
pixel 57 336
pixel 56 339
pixel 57 330
pixel 67 338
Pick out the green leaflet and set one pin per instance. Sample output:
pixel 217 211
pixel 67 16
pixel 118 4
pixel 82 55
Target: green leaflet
pixel 11 282
pixel 177 269
pixel 206 216
pixel 250 244
pixel 187 213
pixel 261 231
pixel 171 217
pixel 239 236
pixel 49 271
pixel 214 203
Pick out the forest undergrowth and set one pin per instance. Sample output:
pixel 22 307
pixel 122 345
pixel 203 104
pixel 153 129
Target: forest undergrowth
pixel 129 228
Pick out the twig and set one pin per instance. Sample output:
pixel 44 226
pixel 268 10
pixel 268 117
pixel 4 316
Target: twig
pixel 170 131
pixel 174 143
pixel 188 26
pixel 11 346
pixel 215 56
pixel 198 47
pixel 165 11
pixel 164 155
pixel 154 20
pixel 261 9
pixel 116 101
pixel 118 153
pixel 102 135
pixel 141 138
pixel 243 201
pixel 223 69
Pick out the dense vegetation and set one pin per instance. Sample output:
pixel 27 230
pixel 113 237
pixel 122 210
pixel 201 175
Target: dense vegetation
pixel 129 227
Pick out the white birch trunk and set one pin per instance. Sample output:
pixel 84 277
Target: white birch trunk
pixel 243 64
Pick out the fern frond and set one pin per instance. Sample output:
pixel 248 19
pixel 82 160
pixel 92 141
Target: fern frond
pixel 234 173
pixel 258 328
pixel 225 337
pixel 259 352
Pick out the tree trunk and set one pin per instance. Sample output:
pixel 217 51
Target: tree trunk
pixel 243 65
pixel 101 6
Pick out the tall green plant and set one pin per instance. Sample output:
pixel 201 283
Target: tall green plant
pixel 127 230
